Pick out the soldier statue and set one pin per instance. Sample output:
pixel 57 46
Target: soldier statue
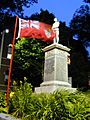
pixel 55 27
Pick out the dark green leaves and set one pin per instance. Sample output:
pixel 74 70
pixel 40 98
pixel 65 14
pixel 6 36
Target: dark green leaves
pixel 15 6
pixel 80 24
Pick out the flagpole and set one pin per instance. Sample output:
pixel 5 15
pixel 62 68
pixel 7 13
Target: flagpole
pixel 10 68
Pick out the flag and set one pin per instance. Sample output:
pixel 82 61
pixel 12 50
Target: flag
pixel 35 29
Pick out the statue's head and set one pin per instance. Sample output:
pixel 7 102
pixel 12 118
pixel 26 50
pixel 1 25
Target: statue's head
pixel 55 19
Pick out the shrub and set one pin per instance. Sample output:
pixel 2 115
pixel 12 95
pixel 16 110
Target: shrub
pixel 18 104
pixel 60 105
pixel 2 99
pixel 37 107
pixel 78 106
pixel 3 103
pixel 63 105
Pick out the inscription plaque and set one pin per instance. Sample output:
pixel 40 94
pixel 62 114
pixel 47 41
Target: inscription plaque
pixel 49 65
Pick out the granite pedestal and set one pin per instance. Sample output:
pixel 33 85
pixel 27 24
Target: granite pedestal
pixel 55 69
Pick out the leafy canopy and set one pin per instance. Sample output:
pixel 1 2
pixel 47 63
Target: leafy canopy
pixel 80 24
pixel 10 8
pixel 29 55
pixel 44 16
pixel 87 1
pixel 14 6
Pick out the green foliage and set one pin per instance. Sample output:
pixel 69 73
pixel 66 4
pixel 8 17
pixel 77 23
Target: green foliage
pixel 65 31
pixel 69 106
pixel 28 50
pixel 43 16
pixel 79 66
pixel 29 55
pixel 60 105
pixel 38 107
pixel 15 7
pixel 80 24
pixel 87 1
pixel 18 104
pixel 2 99
pixel 8 9
pixel 3 103
pixel 87 93
pixel 80 27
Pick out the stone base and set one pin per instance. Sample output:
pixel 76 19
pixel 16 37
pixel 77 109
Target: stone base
pixel 51 89
pixel 51 86
pixel 55 83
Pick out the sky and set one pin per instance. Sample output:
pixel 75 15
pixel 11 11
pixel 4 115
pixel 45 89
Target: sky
pixel 62 9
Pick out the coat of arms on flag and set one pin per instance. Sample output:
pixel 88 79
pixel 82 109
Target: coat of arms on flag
pixel 48 33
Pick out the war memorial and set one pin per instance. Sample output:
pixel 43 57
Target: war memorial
pixel 55 66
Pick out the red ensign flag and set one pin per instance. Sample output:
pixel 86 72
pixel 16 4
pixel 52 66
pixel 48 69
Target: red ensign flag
pixel 35 29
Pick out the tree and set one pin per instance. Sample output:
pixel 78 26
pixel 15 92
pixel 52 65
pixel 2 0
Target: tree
pixel 87 1
pixel 80 24
pixel 43 16
pixel 29 55
pixel 10 9
pixel 65 31
pixel 14 7
pixel 80 27
pixel 79 65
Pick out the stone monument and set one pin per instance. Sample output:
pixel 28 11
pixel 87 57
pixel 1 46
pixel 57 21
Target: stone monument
pixel 55 66
pixel 55 69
